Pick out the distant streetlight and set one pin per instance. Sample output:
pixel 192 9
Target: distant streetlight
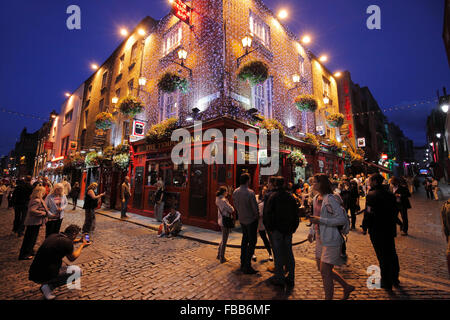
pixel 306 39
pixel 438 135
pixel 283 14
pixel 338 74
pixel 67 94
pixel 142 32
pixel 94 66
pixel 444 107
pixel 323 58
pixel 124 32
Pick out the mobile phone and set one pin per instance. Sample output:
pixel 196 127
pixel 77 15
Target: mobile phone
pixel 87 238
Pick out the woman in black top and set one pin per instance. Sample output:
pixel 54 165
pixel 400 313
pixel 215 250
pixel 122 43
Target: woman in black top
pixel 74 194
pixel 90 203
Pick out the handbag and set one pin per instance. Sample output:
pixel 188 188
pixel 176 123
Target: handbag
pixel 228 222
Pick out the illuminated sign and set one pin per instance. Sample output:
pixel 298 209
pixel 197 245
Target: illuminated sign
pixel 361 142
pixel 48 145
pixel 73 145
pixel 320 130
pixel 348 108
pixel 182 11
pixel 384 156
pixel 138 128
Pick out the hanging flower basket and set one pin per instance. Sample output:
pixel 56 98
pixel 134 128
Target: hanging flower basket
pixel 170 82
pixel 131 106
pixel 121 161
pixel 312 139
pixel 104 121
pixel 298 158
pixel 335 120
pixel 306 103
pixel 255 72
pixel 269 124
pixel 93 159
pixel 162 130
pixel 122 148
pixel 335 145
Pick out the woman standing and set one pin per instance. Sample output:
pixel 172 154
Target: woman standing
pixel 35 218
pixel 75 193
pixel 90 204
pixel 328 216
pixel 159 201
pixel 261 229
pixel 224 209
pixel 56 203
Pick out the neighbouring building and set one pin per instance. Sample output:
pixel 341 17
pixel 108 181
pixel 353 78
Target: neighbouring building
pixel 25 152
pixel 45 145
pixel 446 31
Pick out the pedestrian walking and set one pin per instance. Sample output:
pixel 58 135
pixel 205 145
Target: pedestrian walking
pixel 401 192
pixel 281 218
pixel 327 218
pixel 90 204
pixel 244 201
pixel 380 220
pixel 35 218
pixel 353 202
pixel 125 195
pixel 47 269
pixel 20 200
pixel 56 203
pixel 225 209
pixel 261 228
pixel 445 215
pixel 428 188
pixel 74 194
pixel 160 199
pixel 3 189
pixel 435 188
pixel 66 186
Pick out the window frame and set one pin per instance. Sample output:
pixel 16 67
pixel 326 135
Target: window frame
pixel 267 91
pixel 66 114
pixel 326 87
pixel 104 79
pixel 256 22
pixel 175 31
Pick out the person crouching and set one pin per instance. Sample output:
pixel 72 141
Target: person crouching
pixel 172 223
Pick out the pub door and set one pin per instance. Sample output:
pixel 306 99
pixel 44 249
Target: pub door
pixel 138 187
pixel 250 169
pixel 198 191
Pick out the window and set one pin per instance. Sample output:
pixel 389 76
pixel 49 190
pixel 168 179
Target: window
pixel 85 119
pixel 68 117
pixel 121 62
pixel 101 104
pixel 89 92
pixel 130 87
pixel 173 175
pixel 133 52
pixel 262 97
pixel 326 87
pixel 125 131
pixel 104 78
pixel 169 105
pixel 172 39
pixel 302 65
pixel 64 146
pixel 118 93
pixel 259 29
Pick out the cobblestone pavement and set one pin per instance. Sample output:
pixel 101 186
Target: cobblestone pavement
pixel 127 261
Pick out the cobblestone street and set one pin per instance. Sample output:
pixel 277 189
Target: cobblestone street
pixel 127 261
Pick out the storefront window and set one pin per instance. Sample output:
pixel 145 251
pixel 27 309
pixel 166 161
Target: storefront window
pixel 171 174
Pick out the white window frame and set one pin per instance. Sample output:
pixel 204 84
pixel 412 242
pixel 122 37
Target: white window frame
pixel 326 87
pixel 163 105
pixel 121 63
pixel 262 97
pixel 130 88
pixel 301 62
pixel 104 79
pixel 259 29
pixel 172 39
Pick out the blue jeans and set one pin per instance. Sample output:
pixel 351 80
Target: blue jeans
pixel 283 255
pixel 123 213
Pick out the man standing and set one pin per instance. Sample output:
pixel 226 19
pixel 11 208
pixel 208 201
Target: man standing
pixel 66 186
pixel 445 214
pixel 380 219
pixel 247 209
pixel 46 267
pixel 20 199
pixel 125 195
pixel 281 218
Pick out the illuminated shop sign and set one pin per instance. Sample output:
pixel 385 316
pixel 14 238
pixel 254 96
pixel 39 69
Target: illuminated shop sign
pixel 182 11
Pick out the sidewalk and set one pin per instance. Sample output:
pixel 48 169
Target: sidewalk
pixel 198 234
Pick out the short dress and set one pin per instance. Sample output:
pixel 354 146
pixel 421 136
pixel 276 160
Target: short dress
pixel 327 254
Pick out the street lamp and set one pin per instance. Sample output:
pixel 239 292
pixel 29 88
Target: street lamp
pixel 444 107
pixel 142 81
pixel 94 66
pixel 283 14
pixel 326 100
pixel 124 32
pixel 337 74
pixel 323 58
pixel 182 55
pixel 114 100
pixel 67 94
pixel 246 44
pixel 296 78
pixel 438 135
pixel 142 32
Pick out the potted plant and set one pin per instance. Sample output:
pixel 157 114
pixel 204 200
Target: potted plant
pixel 298 158
pixel 92 159
pixel 131 106
pixel 335 120
pixel 254 72
pixel 121 161
pixel 306 102
pixel 104 120
pixel 162 130
pixel 312 139
pixel 170 82
pixel 269 124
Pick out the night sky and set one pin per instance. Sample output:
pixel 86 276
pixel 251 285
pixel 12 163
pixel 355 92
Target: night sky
pixel 402 63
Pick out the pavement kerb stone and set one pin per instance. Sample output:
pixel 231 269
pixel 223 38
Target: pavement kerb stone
pixel 181 235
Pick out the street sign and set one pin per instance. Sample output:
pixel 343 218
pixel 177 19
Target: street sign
pixel 182 11
pixel 320 130
pixel 73 145
pixel 361 142
pixel 138 128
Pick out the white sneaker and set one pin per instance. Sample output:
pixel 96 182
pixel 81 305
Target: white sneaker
pixel 47 292
pixel 254 258
pixel 270 258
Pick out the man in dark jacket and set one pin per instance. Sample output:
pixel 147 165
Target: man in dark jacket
pixel 380 220
pixel 402 194
pixel 20 199
pixel 281 219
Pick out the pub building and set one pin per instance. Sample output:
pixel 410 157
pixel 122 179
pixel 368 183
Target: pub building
pixel 191 187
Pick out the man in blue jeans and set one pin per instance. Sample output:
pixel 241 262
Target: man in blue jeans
pixel 244 201
pixel 281 218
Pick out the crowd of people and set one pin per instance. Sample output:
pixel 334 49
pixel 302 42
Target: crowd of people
pixel 330 204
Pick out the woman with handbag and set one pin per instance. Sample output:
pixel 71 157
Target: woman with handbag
pixel 328 215
pixel 35 218
pixel 90 204
pixel 225 219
